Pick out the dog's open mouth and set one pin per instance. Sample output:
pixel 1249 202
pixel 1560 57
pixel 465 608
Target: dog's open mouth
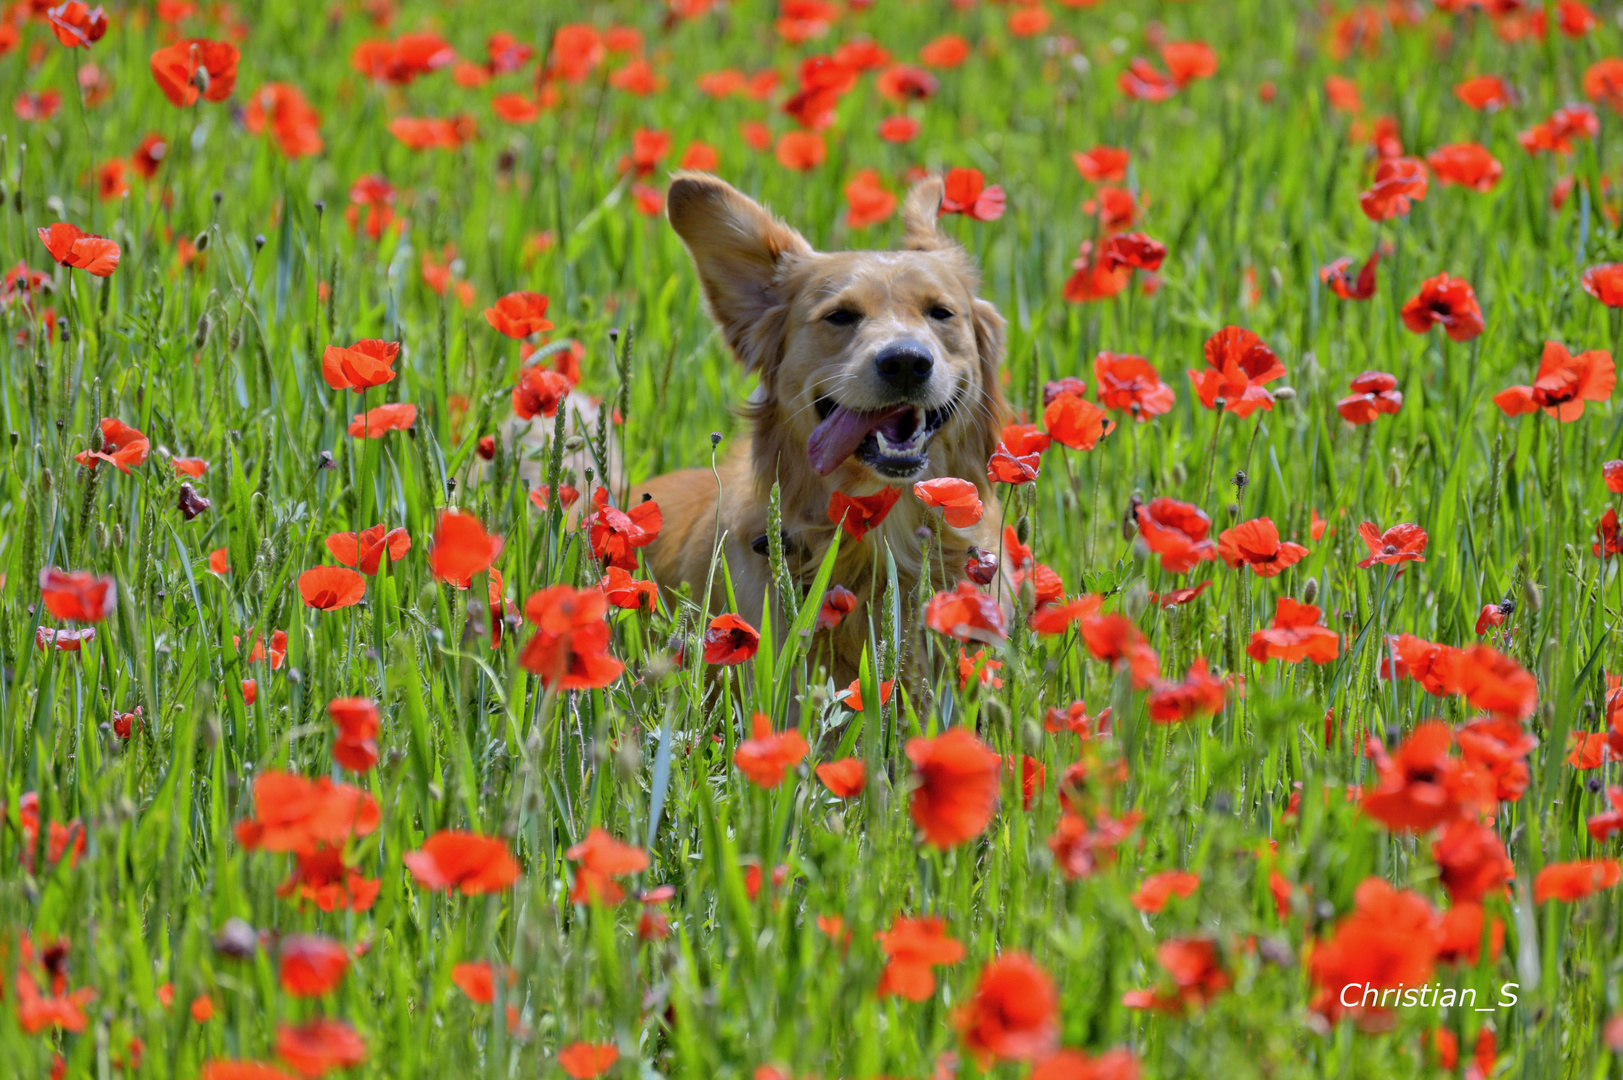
pixel 893 442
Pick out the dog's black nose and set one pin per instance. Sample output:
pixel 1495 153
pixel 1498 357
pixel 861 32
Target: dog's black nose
pixel 905 365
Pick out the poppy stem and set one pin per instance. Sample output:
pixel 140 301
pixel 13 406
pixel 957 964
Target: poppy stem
pixel 1211 457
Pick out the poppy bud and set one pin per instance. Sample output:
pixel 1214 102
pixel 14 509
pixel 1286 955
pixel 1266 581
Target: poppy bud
pixel 99 534
pixel 321 207
pixel 1310 591
pixel 1241 479
pixel 1275 278
pixel 715 439
pixel 573 443
pixel 234 342
pixel 118 535
pixel 1022 530
pixel 1535 597
pixel 1234 511
pixel 201 337
pixel 923 533
pixel 201 241
pixel 1394 475
pixel 200 79
pixel 1032 734
pixel 1285 393
pixel 46 479
pixel 1179 473
pixel 590 473
pixel 259 241
pixel 1220 403
pixel 17 200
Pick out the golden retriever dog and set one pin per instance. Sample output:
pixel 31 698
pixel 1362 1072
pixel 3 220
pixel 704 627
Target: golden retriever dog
pixel 877 368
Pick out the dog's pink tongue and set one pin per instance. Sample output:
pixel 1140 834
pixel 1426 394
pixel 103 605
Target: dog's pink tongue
pixel 838 437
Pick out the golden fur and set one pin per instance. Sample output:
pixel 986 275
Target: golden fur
pixel 771 293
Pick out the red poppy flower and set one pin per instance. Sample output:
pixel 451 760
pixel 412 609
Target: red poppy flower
pixel 838 602
pixel 1200 694
pixel 298 815
pixel 615 535
pixel 1102 163
pixel 1187 61
pixel 966 192
pixel 570 649
pixel 899 129
pixel 1571 882
pixel 1129 384
pixel 1238 365
pixel 1134 250
pixel 1466 164
pixel 539 392
pixel 1152 895
pixel 765 756
pixel 319 1045
pixel 801 151
pixel 1422 785
pixel 1177 597
pixel 1398 182
pixel 122 446
pixel 1373 393
pixel 77 594
pixel 959 500
pixel 1564 382
pixel 584 1060
pixel 378 422
pixel 1487 92
pixel 365 550
pixel 869 203
pixel 467 861
pixel 1143 81
pixel 966 614
pixel 730 640
pixel 1492 615
pixel 477 980
pixel 625 592
pixel 71 246
pixel 1176 531
pixel 1608 541
pixel 1400 543
pixel 1091 280
pixel 519 314
pixel 844 778
pixel 322 877
pixel 1556 135
pixel 1338 275
pixel 176 67
pixel 360 366
pixel 1604 283
pixel 355 746
pixel 1012 1014
pixel 1612 473
pixel 1074 421
pixel 462 548
pixel 1447 302
pixel 912 948
pixel 311 965
pixel 1472 861
pixel 1116 641
pixel 1388 941
pixel 861 514
pixel 1294 636
pixel 955 786
pixel 282 111
pixel 599 859
pixel 76 25
pixel 328 588
pixel 1196 974
pixel 190 466
pixel 1007 467
pixel 1256 544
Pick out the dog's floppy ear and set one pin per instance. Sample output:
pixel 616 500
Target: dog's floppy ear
pixel 919 214
pixel 990 331
pixel 740 251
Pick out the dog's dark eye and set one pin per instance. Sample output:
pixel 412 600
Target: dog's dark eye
pixel 941 314
pixel 842 317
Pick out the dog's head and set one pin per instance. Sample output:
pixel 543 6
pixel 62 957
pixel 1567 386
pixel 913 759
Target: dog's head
pixel 873 364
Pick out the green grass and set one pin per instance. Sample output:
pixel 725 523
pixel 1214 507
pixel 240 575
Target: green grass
pixel 222 361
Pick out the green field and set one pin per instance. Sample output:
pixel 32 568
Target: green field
pixel 447 815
